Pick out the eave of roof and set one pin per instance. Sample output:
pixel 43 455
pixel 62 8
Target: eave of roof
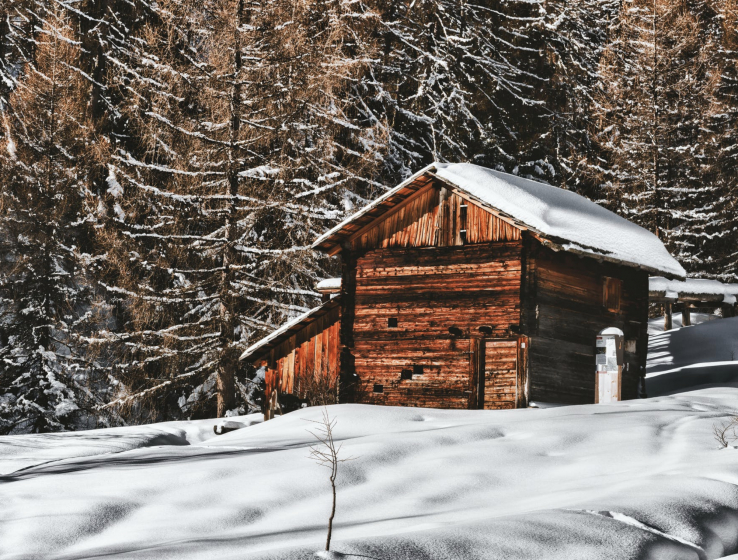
pixel 260 348
pixel 330 242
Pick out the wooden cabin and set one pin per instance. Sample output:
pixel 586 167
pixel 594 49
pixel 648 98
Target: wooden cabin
pixel 465 287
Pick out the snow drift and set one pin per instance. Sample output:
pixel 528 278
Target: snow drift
pixel 638 479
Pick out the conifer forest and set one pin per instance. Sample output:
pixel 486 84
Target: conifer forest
pixel 166 164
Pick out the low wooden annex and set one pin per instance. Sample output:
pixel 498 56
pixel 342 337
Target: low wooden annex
pixel 465 287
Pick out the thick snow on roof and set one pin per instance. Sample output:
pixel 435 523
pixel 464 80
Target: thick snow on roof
pixel 693 286
pixel 563 216
pixel 328 285
pixel 576 223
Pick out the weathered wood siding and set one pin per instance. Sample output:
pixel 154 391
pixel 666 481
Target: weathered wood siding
pixel 307 358
pixel 434 217
pixel 565 305
pixel 500 374
pixel 427 291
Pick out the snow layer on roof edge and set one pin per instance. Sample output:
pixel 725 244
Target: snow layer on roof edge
pixel 565 215
pixel 696 286
pixel 281 330
pixel 328 284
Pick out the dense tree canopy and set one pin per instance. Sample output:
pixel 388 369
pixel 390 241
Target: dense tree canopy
pixel 165 165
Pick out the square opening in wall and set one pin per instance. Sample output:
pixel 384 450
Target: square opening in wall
pixel 378 388
pixel 392 322
pixel 406 374
pixel 417 370
pixel 612 288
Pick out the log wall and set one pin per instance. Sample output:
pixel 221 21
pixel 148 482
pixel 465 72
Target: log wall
pixel 308 360
pixel 405 302
pixel 568 300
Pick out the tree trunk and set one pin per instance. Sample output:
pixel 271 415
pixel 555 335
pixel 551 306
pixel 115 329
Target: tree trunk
pixel 228 362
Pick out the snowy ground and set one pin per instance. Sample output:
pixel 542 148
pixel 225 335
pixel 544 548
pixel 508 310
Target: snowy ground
pixel 688 358
pixel 638 479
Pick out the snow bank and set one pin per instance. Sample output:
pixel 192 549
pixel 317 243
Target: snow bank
pixel 703 355
pixel 638 479
pixel 25 451
pixel 656 326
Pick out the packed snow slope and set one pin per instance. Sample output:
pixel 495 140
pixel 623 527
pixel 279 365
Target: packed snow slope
pixel 638 479
pixel 688 358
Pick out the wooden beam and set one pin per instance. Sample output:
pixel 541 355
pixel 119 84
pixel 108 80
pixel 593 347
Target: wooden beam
pixel 667 317
pixel 686 317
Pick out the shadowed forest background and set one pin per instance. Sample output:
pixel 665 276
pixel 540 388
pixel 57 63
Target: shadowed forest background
pixel 165 165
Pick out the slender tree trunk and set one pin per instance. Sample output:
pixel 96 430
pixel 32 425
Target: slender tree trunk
pixel 655 101
pixel 333 508
pixel 228 362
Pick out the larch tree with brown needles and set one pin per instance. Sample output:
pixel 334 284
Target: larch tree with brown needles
pixel 49 304
pixel 250 142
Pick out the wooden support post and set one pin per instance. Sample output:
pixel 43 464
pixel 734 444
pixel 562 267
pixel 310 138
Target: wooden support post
pixel 667 317
pixel 347 379
pixel 686 317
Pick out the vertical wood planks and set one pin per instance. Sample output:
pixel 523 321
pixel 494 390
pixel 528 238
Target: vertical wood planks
pixel 433 219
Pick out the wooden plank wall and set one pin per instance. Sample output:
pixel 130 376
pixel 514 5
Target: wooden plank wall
pixel 564 313
pixel 428 290
pixel 500 374
pixel 433 218
pixel 309 356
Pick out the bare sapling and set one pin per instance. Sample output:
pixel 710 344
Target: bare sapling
pixel 326 454
pixel 726 432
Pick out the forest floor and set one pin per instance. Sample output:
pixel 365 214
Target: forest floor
pixel 640 479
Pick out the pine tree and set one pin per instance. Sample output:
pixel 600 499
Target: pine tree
pixel 49 381
pixel 249 144
pixel 719 256
pixel 649 117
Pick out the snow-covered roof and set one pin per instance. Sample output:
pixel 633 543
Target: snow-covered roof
pixel 694 287
pixel 328 286
pixel 288 329
pixel 562 217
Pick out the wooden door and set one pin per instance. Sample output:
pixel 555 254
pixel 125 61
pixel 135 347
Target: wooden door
pixel 499 385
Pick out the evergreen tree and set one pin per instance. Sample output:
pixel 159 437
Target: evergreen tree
pixel 649 123
pixel 48 381
pixel 249 144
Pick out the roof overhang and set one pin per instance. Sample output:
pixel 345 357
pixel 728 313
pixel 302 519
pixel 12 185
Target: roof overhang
pixel 260 349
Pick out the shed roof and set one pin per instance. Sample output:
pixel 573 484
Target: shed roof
pixel 691 289
pixel 563 218
pixel 260 348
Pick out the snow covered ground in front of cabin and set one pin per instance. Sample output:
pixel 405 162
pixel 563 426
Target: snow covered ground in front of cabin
pixel 638 479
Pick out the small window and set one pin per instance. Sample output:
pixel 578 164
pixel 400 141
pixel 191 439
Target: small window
pixel 611 290
pixel 462 222
pixel 378 388
pixel 417 370
pixel 406 374
pixel 392 322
